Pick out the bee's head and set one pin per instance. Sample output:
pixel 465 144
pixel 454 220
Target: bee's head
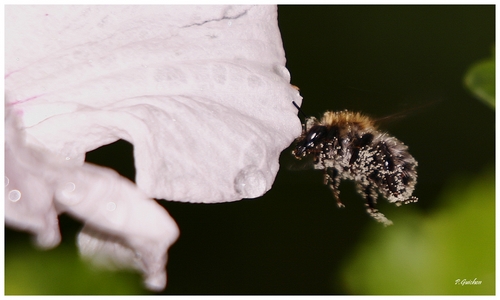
pixel 309 140
pixel 312 135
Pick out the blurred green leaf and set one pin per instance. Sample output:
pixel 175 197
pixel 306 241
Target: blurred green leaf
pixel 480 80
pixel 432 254
pixel 60 271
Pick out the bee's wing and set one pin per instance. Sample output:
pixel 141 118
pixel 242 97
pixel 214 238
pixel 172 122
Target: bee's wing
pixel 401 115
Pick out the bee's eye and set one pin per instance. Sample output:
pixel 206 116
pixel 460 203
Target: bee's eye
pixel 314 135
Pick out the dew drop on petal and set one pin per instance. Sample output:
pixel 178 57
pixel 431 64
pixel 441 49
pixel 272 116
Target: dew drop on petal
pixel 156 282
pixel 250 182
pixel 111 206
pixel 14 195
pixel 66 194
pixel 69 187
pixel 282 71
pixel 6 181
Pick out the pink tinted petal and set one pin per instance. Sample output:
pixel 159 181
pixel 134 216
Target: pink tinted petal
pixel 29 187
pixel 121 222
pixel 201 92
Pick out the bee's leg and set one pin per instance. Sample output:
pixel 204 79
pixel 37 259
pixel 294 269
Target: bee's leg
pixel 409 200
pixel 333 181
pixel 370 195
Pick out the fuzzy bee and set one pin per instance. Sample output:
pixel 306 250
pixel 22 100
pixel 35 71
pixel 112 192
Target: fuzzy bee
pixel 348 145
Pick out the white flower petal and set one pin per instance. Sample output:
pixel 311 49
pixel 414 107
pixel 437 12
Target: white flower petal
pixel 120 220
pixel 29 188
pixel 121 223
pixel 201 92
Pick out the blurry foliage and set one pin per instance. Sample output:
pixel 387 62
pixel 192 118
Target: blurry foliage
pixel 60 271
pixel 432 254
pixel 480 80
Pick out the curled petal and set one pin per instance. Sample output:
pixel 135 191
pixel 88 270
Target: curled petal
pixel 29 187
pixel 201 92
pixel 120 220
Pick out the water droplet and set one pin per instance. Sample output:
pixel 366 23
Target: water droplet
pixel 6 181
pixel 156 281
pixel 68 158
pixel 111 206
pixel 250 182
pixel 14 195
pixel 66 194
pixel 282 71
pixel 69 187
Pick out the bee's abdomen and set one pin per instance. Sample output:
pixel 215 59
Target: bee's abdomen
pixel 387 164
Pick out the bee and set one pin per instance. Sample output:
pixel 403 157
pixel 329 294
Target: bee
pixel 348 145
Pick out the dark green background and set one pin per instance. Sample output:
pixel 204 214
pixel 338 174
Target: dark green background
pixel 381 60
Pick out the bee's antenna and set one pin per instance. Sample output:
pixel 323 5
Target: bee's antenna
pixel 300 110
